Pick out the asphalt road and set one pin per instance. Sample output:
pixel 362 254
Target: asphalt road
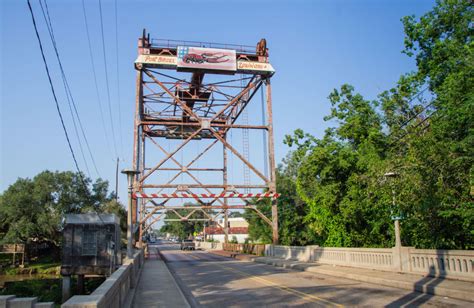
pixel 208 280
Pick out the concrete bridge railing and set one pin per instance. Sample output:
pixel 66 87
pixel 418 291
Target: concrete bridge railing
pixel 457 264
pixel 449 263
pixel 116 290
pixel 209 245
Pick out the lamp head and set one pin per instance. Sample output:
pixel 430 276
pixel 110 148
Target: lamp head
pixel 390 174
pixel 130 173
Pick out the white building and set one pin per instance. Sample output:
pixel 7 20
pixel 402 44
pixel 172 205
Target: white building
pixel 238 230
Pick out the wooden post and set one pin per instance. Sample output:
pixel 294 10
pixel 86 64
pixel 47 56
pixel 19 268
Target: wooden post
pixel 14 254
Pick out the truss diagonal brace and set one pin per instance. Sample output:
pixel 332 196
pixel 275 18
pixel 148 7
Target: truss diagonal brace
pixel 170 155
pixel 227 145
pixel 180 103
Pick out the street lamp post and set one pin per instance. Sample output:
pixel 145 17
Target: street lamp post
pixel 130 174
pixel 204 230
pixel 396 218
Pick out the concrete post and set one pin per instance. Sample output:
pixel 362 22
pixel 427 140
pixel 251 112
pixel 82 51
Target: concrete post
pixel 310 252
pixel 398 241
pixel 80 284
pixel 268 250
pixel 66 288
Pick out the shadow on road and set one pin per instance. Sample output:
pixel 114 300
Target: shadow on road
pixel 426 284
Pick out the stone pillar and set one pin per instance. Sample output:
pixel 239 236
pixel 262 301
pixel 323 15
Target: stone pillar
pixel 80 284
pixel 66 288
pixel 269 252
pixel 310 252
pixel 405 262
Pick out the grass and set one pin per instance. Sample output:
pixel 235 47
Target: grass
pixel 43 265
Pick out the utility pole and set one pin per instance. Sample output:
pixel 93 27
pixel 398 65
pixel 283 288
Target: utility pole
pixel 116 180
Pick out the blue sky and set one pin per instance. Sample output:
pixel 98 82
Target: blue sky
pixel 315 46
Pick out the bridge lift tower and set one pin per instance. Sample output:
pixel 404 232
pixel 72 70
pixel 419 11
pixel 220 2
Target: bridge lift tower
pixel 189 99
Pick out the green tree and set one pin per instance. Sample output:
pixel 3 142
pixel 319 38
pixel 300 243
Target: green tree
pixel 183 229
pixel 337 172
pixel 33 209
pixel 435 153
pixel 422 129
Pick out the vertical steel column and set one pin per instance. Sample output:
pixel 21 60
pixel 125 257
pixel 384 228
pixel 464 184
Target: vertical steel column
pixel 142 201
pixel 131 173
pixel 226 212
pixel 136 137
pixel 271 157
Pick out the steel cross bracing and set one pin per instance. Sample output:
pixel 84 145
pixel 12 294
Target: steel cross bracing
pixel 184 143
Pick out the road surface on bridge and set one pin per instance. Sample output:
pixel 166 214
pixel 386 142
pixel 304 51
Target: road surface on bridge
pixel 209 280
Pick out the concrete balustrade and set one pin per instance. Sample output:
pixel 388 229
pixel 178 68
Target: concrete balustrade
pixel 209 245
pixel 457 264
pixel 448 263
pixel 359 257
pixel 300 253
pixel 115 291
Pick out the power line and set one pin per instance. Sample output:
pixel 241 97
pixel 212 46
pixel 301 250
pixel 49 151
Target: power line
pixel 418 113
pixel 107 77
pixel 415 116
pixel 118 79
pixel 51 35
pixel 54 95
pixel 68 91
pixel 91 55
pixel 418 124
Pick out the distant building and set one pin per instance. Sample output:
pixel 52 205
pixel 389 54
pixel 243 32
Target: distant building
pixel 238 229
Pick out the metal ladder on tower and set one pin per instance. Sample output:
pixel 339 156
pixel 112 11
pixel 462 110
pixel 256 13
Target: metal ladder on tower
pixel 245 140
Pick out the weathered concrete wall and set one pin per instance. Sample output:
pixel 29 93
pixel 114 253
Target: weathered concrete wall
pixel 115 290
pixel 11 301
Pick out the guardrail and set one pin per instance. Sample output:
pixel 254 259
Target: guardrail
pixel 115 290
pixel 448 263
pixel 377 258
pixel 209 245
pixel 457 264
pixel 254 249
pixel 300 253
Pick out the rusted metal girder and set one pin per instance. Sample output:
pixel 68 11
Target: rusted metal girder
pixel 170 107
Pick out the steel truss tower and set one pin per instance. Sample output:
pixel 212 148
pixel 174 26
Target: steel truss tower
pixel 189 96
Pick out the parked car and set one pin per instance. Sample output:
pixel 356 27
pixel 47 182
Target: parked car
pixel 188 245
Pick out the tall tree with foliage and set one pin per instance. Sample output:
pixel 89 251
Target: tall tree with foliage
pixel 183 229
pixel 292 210
pixel 33 209
pixel 434 151
pixel 422 130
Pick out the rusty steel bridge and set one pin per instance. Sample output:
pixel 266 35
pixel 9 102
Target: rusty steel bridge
pixel 190 98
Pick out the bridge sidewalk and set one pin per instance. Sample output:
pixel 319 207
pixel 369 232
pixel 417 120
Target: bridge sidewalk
pixel 157 287
pixel 458 289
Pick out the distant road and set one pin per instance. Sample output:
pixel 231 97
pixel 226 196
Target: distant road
pixel 209 280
